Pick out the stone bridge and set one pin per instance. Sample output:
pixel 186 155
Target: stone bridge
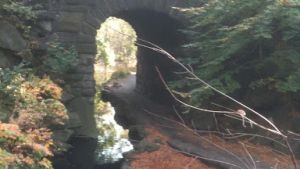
pixel 75 22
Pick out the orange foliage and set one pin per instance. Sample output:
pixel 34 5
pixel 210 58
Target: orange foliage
pixel 24 148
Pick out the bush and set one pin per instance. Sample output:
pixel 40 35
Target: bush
pixel 32 100
pixel 35 107
pixel 18 14
pixel 24 150
pixel 18 8
pixel 59 58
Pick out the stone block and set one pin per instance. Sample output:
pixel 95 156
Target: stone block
pixel 67 27
pixel 76 85
pixel 74 77
pixel 133 4
pixel 114 6
pixel 88 77
pixel 46 25
pixel 97 12
pixel 87 59
pixel 76 91
pixel 86 48
pixel 85 112
pixel 88 92
pixel 88 29
pixel 46 15
pixel 77 8
pixel 74 121
pixel 73 37
pixel 62 135
pixel 80 2
pixel 93 20
pixel 88 85
pixel 89 69
pixel 66 96
pixel 123 5
pixel 69 22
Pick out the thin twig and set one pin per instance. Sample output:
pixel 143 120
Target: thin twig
pixel 177 113
pixel 250 156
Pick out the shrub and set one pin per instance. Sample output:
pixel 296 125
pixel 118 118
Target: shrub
pixel 35 108
pixel 59 58
pixel 34 101
pixel 19 14
pixel 18 8
pixel 24 150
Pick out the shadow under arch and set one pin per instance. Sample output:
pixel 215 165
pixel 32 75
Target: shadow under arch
pixel 164 31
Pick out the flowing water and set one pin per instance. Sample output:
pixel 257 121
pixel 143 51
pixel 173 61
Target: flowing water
pixel 112 140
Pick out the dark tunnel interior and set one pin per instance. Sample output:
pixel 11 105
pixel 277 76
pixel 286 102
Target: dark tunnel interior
pixel 164 31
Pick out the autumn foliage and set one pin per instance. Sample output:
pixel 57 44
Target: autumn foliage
pixel 30 107
pixel 24 149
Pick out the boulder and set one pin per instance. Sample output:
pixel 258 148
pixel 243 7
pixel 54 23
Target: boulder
pixel 10 38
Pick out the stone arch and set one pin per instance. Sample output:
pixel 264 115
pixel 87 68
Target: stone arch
pixel 76 23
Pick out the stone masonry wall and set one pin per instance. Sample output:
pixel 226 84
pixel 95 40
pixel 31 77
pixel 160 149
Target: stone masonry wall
pixel 75 22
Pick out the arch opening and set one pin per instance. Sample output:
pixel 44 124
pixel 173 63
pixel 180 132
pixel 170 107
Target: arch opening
pixel 115 59
pixel 164 31
pixel 143 26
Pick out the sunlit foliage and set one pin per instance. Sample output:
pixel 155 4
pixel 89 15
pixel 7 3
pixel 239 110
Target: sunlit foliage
pixel 115 41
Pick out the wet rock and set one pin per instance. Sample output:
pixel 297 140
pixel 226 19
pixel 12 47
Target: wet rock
pixel 144 145
pixel 137 132
pixel 116 165
pixel 10 38
pixel 126 165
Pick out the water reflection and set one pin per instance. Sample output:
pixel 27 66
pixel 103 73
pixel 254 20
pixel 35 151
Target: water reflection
pixel 112 140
